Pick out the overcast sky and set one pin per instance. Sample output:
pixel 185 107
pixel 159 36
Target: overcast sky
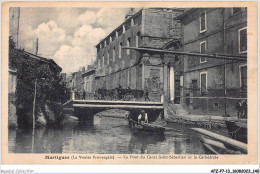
pixel 67 35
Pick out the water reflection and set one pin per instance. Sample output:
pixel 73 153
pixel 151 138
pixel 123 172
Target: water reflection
pixel 139 144
pixel 107 135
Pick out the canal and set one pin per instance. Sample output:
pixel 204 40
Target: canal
pixel 108 135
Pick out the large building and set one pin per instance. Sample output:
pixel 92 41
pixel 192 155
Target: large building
pixel 88 79
pixel 211 85
pixel 76 80
pixel 146 28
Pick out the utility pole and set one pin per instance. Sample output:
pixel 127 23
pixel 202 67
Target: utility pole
pixel 37 42
pixel 34 100
pixel 225 63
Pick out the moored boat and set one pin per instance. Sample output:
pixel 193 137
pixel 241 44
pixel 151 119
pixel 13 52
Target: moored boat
pixel 219 144
pixel 216 147
pixel 237 129
pixel 145 128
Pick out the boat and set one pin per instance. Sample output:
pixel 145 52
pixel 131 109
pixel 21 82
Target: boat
pixel 145 128
pixel 219 144
pixel 237 129
pixel 215 147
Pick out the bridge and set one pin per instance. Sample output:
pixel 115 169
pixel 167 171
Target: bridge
pixel 86 109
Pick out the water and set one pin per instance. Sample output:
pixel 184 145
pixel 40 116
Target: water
pixel 107 136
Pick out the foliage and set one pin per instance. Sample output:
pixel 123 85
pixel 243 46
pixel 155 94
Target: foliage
pixel 31 73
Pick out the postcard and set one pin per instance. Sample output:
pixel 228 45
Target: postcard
pixel 129 83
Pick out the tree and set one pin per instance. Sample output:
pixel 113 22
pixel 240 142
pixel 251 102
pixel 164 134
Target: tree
pixel 48 86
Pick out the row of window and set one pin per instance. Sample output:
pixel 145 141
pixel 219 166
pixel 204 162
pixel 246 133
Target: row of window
pixel 242 44
pixel 203 18
pixel 134 21
pixel 128 44
pixel 204 79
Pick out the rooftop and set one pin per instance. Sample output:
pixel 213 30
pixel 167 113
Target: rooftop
pixel 120 26
pixel 43 59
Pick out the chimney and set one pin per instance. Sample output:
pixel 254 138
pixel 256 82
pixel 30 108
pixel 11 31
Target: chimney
pixel 130 13
pixel 83 68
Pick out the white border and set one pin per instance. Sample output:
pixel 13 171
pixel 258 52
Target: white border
pixel 99 64
pixel 204 72
pixel 124 168
pixel 128 44
pixel 108 57
pixel 133 168
pixel 120 50
pixel 114 54
pixel 240 66
pixel 239 40
pixel 205 50
pixel 103 60
pixel 202 31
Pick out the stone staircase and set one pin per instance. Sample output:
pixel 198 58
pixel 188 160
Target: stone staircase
pixel 180 110
pixel 174 110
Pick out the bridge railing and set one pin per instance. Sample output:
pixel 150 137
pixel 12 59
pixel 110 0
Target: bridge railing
pixel 82 96
pixel 153 97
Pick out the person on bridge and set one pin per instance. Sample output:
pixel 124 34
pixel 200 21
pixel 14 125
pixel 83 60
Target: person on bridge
pixel 146 94
pixel 244 106
pixel 84 94
pixel 239 109
pixel 139 117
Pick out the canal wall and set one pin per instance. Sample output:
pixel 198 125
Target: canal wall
pixel 178 114
pixel 46 113
pixel 49 113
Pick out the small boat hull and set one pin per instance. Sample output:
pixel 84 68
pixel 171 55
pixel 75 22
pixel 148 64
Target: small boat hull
pixel 142 129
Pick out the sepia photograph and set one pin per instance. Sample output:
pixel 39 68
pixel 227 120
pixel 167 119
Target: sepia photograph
pixel 155 81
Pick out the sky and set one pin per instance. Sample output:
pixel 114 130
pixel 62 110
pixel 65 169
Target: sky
pixel 67 35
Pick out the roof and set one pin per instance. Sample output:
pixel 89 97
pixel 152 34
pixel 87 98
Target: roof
pixel 88 73
pixel 43 59
pixel 137 13
pixel 119 26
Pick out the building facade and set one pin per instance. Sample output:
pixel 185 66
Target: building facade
pixel 147 28
pixel 214 84
pixel 88 79
pixel 76 80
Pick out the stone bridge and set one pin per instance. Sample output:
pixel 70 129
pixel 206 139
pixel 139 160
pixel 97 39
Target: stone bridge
pixel 86 109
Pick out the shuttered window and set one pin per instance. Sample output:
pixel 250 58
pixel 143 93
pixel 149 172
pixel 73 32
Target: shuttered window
pixel 203 22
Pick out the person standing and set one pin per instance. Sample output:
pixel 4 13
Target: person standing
pixel 145 117
pixel 239 109
pixel 244 105
pixel 146 95
pixel 76 94
pixel 141 116
pixel 84 95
